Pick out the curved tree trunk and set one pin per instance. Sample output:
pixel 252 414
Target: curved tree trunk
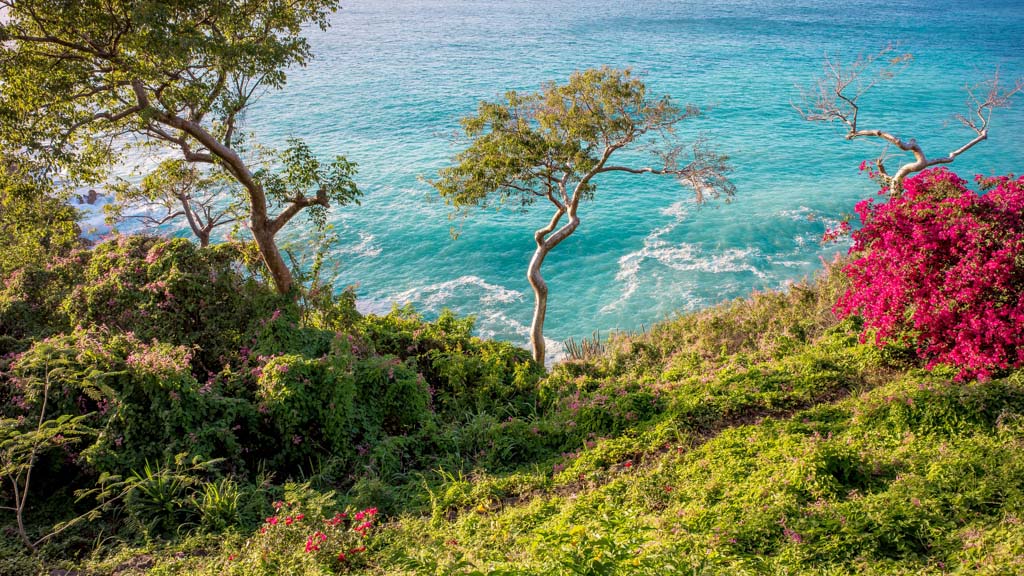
pixel 279 272
pixel 540 305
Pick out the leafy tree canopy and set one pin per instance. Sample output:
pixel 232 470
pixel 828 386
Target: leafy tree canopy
pixel 81 81
pixel 551 143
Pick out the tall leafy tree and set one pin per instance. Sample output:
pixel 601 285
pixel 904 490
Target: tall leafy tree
pixel 82 79
pixel 552 145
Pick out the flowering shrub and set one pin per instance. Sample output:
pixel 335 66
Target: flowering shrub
pixel 303 539
pixel 141 399
pixel 174 292
pixel 945 266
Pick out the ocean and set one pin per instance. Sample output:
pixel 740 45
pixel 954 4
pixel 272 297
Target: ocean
pixel 391 78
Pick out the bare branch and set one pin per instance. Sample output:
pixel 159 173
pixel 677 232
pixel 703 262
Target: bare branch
pixel 833 98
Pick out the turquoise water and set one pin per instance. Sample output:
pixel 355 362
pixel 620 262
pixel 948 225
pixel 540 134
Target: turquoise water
pixel 392 77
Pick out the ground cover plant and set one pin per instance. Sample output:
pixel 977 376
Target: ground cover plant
pixel 760 436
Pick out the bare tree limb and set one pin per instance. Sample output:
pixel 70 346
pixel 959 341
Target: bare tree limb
pixel 833 98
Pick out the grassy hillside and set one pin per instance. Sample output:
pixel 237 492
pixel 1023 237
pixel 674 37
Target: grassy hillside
pixel 758 437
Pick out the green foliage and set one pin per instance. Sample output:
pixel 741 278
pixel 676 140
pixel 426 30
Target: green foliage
pixel 301 170
pixel 35 223
pixel 173 292
pixel 466 374
pixel 540 144
pixel 611 546
pixel 32 299
pixel 32 436
pixel 159 502
pixel 217 504
pixel 311 404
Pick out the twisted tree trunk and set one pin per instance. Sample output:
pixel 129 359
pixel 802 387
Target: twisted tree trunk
pixel 540 288
pixel 540 304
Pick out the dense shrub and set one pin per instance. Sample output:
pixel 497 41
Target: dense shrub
pixel 142 400
pixel 174 292
pixel 944 266
pixel 32 298
pixel 465 373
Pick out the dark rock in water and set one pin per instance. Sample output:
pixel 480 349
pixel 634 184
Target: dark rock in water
pixel 89 198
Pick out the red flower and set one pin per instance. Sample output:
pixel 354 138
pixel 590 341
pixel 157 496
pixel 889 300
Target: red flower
pixel 288 521
pixel 628 464
pixel 357 550
pixel 341 557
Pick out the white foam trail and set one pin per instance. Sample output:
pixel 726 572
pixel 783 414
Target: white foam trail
pixel 434 295
pixel 677 210
pixel 366 247
pixel 799 213
pixel 682 257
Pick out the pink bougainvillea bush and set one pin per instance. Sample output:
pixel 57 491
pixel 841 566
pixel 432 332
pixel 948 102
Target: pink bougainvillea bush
pixel 945 266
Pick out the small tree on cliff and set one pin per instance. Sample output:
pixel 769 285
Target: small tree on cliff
pixel 834 95
pixel 80 78
pixel 178 189
pixel 550 146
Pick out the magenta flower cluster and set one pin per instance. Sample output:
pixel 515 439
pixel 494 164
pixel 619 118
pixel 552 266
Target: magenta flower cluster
pixel 944 265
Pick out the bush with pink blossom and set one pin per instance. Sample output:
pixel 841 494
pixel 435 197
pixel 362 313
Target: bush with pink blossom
pixel 944 266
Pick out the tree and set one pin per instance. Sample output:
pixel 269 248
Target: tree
pixel 22 446
pixel 177 189
pixel 78 79
pixel 35 221
pixel 550 145
pixel 833 98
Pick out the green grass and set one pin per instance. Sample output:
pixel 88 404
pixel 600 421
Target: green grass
pixel 758 437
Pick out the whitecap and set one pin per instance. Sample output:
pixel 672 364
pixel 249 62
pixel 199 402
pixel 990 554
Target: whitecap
pixel 433 296
pixel 367 247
